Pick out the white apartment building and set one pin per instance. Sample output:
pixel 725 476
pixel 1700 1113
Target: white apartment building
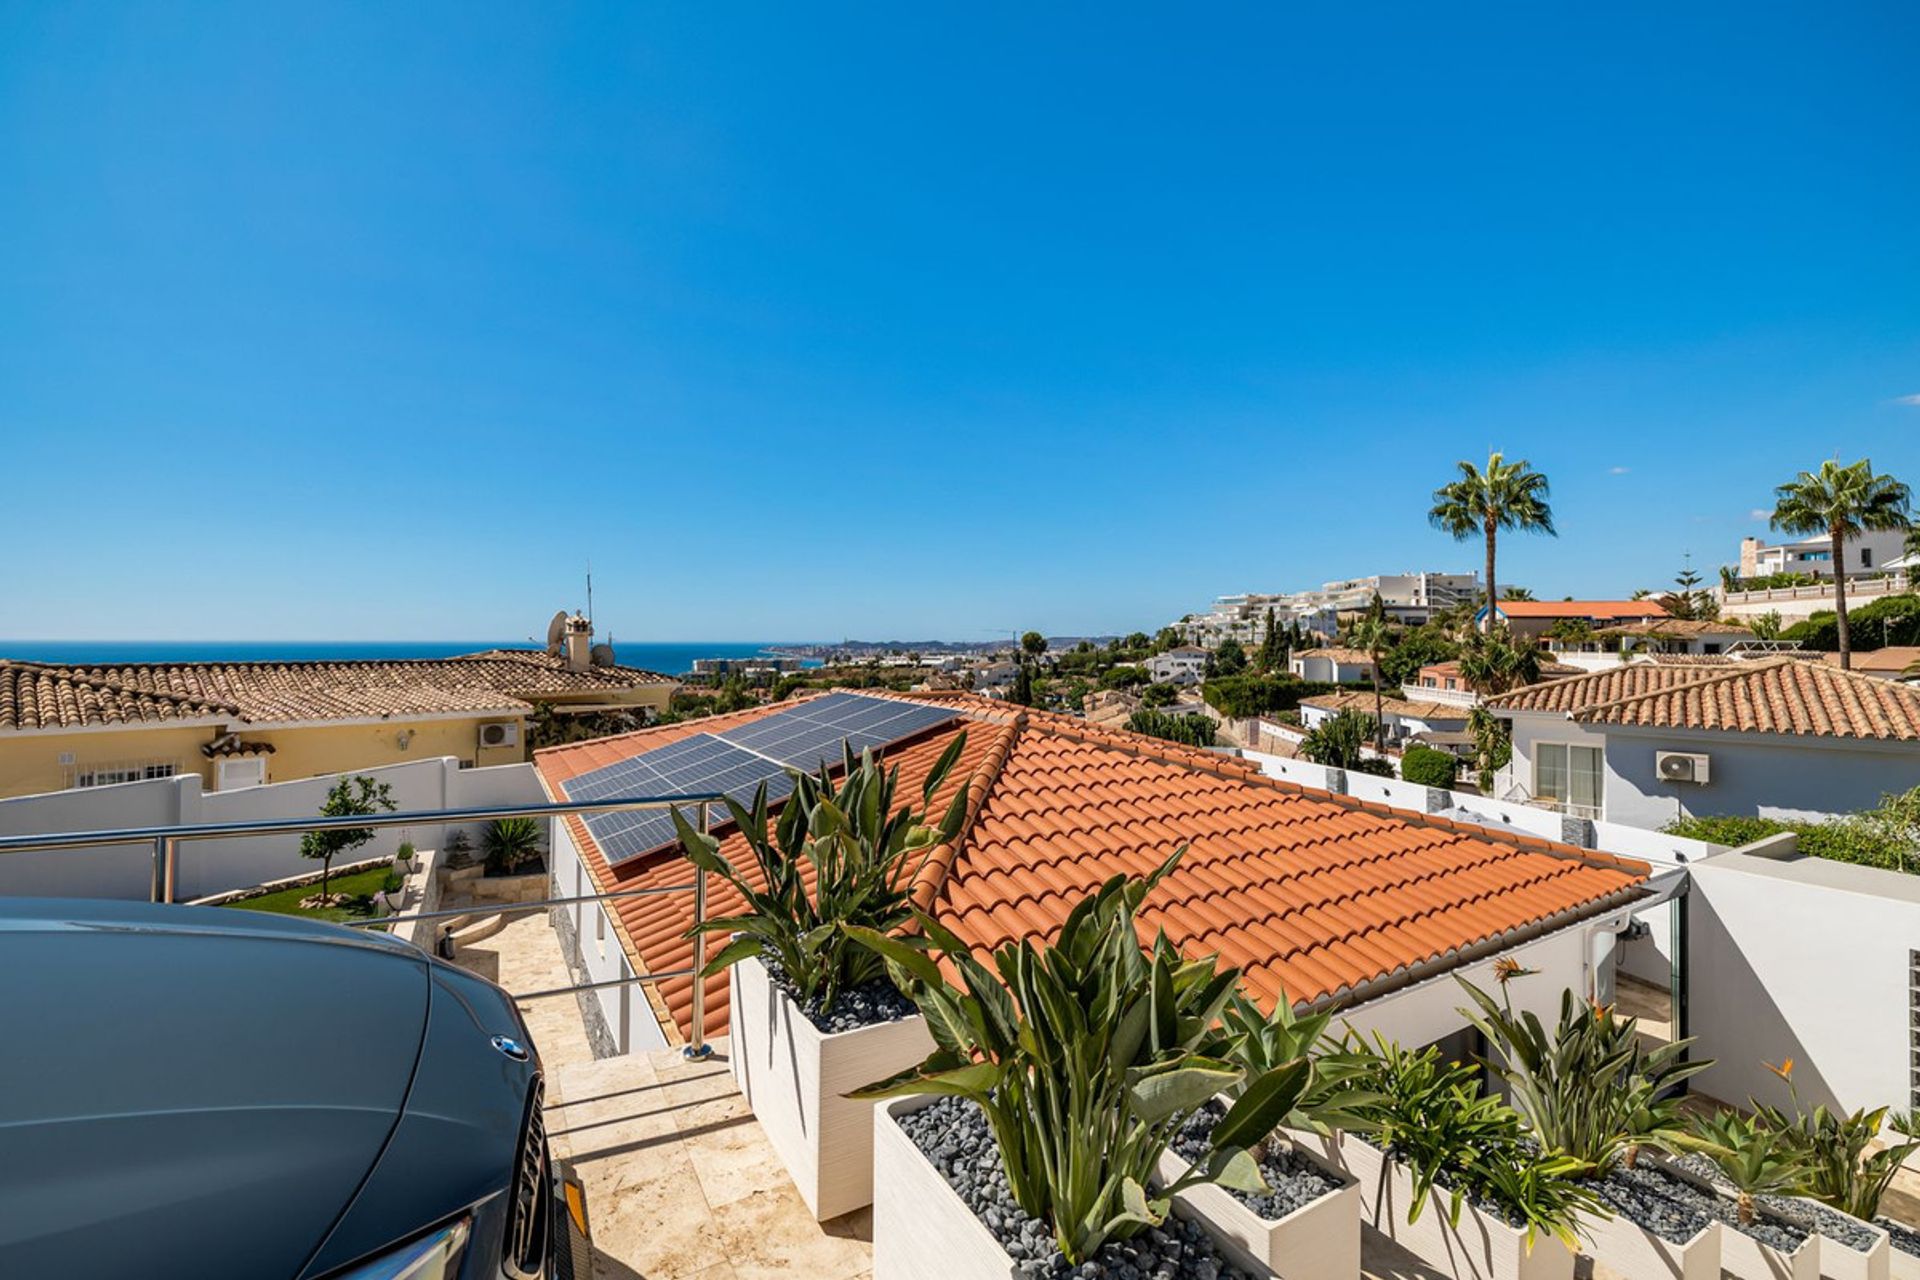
pixel 1184 665
pixel 1408 597
pixel 1868 553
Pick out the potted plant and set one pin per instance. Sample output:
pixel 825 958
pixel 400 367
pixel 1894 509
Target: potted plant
pixel 1308 1224
pixel 1501 1207
pixel 1592 1092
pixel 1032 1133
pixel 404 855
pixel 1754 1160
pixel 511 845
pixel 393 890
pixel 812 1014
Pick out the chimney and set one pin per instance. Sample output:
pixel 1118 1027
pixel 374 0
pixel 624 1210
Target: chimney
pixel 1749 557
pixel 579 646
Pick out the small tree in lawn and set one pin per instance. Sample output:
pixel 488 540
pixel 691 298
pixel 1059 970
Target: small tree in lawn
pixel 355 797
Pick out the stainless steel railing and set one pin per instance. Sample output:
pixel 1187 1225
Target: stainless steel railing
pixel 166 842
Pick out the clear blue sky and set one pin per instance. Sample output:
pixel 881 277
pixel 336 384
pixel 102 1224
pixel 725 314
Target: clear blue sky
pixel 814 321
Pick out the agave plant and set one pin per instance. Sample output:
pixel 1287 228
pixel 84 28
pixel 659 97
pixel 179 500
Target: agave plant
pixel 1453 1140
pixel 1085 1056
pixel 1755 1158
pixel 510 843
pixel 1258 1042
pixel 863 855
pixel 1589 1089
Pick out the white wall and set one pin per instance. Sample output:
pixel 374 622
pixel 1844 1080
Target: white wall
pixel 214 866
pixel 628 1013
pixel 1806 959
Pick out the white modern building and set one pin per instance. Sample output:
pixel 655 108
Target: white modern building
pixel 1332 666
pixel 1186 664
pixel 1647 742
pixel 1870 552
pixel 1407 597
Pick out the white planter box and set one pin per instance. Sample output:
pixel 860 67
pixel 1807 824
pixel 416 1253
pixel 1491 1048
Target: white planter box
pixel 1630 1249
pixel 1318 1241
pixel 923 1230
pixel 794 1078
pixel 1480 1248
pixel 1902 1265
pixel 1839 1262
pixel 1742 1256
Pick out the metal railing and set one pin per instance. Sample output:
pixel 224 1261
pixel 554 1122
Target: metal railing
pixel 166 841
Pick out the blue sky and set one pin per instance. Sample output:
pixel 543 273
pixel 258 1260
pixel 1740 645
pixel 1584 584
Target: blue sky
pixel 819 321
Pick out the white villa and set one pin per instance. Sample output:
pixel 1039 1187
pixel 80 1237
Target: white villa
pixel 1332 666
pixel 1186 664
pixel 1868 553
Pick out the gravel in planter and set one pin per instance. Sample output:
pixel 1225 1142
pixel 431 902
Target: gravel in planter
pixel 1778 1221
pixel 1830 1223
pixel 954 1136
pixel 1491 1208
pixel 1671 1209
pixel 1296 1181
pixel 867 1005
pixel 1901 1236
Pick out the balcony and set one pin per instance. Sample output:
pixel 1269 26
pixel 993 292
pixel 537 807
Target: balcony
pixel 1443 697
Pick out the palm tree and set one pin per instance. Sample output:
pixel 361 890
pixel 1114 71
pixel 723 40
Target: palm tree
pixel 1498 662
pixel 1842 502
pixel 1507 495
pixel 1370 633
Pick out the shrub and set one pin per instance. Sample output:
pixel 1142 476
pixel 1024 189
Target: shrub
pixel 863 853
pixel 1238 697
pixel 1883 837
pixel 1124 677
pixel 1889 620
pixel 1194 730
pixel 510 844
pixel 1086 1057
pixel 1159 695
pixel 1337 741
pixel 1428 767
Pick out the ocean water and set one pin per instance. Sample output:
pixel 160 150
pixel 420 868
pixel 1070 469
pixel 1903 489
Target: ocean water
pixel 673 659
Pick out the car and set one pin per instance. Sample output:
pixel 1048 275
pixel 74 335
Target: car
pixel 204 1092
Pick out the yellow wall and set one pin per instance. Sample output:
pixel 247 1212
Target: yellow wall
pixel 30 762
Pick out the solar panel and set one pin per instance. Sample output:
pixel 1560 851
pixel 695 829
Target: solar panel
pixel 736 761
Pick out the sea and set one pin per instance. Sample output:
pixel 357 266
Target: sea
pixel 672 659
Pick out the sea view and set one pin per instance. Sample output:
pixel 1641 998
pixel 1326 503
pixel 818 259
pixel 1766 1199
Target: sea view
pixel 669 658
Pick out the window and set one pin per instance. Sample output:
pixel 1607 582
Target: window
pixel 1866 557
pixel 1569 776
pixel 240 771
pixel 106 775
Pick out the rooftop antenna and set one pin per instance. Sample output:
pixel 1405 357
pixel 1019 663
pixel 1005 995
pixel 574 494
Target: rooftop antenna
pixel 589 595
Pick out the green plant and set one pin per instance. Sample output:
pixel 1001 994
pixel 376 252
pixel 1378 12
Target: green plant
pixel 1588 1089
pixel 1085 1056
pixel 1755 1158
pixel 863 853
pixel 1506 495
pixel 356 797
pixel 1259 1042
pixel 405 852
pixel 1194 730
pixel 1841 501
pixel 1428 766
pixel 392 882
pixel 1339 740
pixel 1431 1116
pixel 1839 1167
pixel 510 843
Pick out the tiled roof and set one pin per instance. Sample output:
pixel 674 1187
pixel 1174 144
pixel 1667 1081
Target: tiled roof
pixel 1771 695
pixel 1346 657
pixel 44 695
pixel 1388 706
pixel 1330 898
pixel 1591 609
pixel 39 697
pixel 1891 660
pixel 1680 628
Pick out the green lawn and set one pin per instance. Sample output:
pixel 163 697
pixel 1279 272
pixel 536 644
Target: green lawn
pixel 362 886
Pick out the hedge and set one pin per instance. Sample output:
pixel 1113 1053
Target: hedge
pixel 1428 767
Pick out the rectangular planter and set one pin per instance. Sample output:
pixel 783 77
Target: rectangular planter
pixel 1480 1248
pixel 1902 1265
pixel 1629 1249
pixel 1742 1256
pixel 794 1077
pixel 1839 1262
pixel 923 1230
pixel 1318 1241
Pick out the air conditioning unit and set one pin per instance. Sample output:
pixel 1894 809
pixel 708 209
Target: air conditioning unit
pixel 500 733
pixel 1680 766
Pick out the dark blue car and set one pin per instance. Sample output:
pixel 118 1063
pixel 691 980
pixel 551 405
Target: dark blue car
pixel 205 1093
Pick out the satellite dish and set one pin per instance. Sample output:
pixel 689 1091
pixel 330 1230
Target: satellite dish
pixel 556 630
pixel 601 655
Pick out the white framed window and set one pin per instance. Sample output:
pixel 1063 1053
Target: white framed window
pixel 233 772
pixel 1571 776
pixel 106 775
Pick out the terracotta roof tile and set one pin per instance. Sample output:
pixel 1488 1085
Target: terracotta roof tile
pixel 1593 610
pixel 1776 695
pixel 1302 888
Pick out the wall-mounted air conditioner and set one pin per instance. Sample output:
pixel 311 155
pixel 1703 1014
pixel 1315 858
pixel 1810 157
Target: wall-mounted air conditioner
pixel 500 733
pixel 1680 766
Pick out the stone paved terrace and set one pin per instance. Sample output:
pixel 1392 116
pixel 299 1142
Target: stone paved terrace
pixel 681 1183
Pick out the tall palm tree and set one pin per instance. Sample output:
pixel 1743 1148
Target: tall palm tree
pixel 1506 495
pixel 1370 633
pixel 1842 502
pixel 1497 662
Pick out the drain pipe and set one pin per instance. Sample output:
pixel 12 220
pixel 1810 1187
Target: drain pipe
pixel 1605 934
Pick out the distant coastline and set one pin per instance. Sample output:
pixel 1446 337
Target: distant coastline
pixel 670 659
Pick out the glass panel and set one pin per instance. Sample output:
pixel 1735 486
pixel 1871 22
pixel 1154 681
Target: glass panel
pixel 1550 771
pixel 1584 766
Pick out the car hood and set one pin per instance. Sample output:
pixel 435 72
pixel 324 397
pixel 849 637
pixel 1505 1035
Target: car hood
pixel 196 1088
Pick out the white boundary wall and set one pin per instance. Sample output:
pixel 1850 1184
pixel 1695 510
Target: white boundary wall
pixel 214 866
pixel 1809 959
pixel 628 1013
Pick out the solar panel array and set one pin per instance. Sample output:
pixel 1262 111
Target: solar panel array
pixel 736 761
